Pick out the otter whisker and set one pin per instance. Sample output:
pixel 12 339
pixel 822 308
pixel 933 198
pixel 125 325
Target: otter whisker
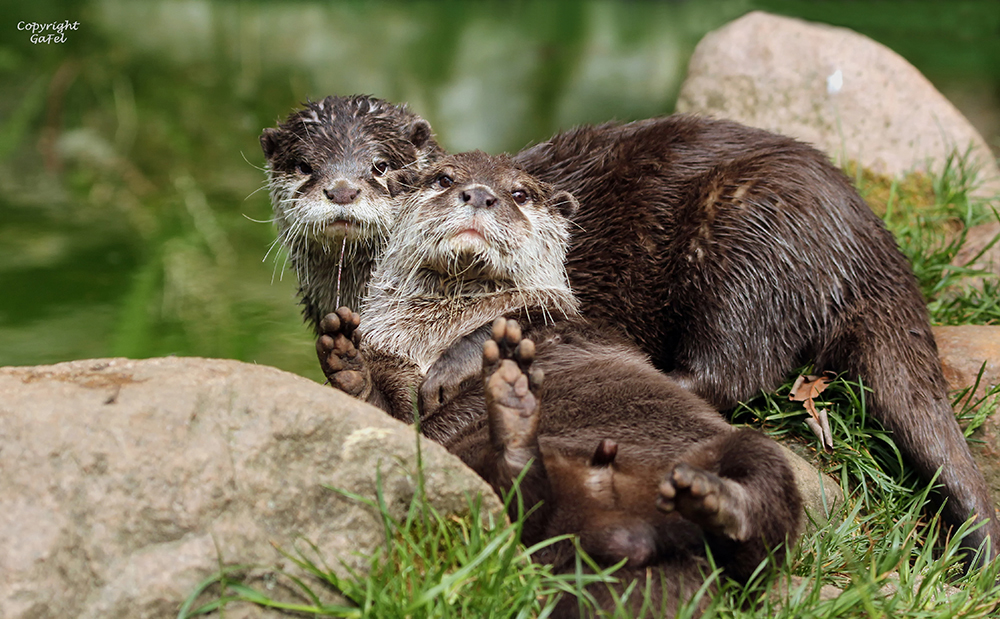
pixel 254 165
pixel 275 243
pixel 259 221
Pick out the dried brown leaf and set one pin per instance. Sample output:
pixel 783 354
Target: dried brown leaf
pixel 805 390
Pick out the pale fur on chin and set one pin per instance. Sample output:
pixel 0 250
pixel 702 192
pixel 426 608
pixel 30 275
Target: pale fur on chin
pixel 302 220
pixel 455 292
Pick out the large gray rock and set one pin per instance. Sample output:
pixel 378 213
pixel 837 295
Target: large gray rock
pixel 964 350
pixel 853 98
pixel 125 483
pixel 822 496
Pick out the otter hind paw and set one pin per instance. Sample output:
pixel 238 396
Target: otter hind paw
pixel 511 385
pixel 713 503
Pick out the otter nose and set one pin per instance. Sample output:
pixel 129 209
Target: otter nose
pixel 342 192
pixel 478 197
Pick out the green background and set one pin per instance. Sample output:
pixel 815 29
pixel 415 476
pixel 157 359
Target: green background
pixel 132 220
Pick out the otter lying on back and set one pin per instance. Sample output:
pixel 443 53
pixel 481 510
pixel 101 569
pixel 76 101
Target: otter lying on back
pixel 607 437
pixel 731 256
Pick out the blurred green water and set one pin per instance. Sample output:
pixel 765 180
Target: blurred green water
pixel 131 221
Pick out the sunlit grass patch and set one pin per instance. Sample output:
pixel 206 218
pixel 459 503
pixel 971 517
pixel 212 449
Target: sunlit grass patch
pixel 930 216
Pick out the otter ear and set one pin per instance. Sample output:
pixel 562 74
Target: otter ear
pixel 269 141
pixel 420 133
pixel 565 203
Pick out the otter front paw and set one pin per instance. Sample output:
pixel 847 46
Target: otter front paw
pixel 337 349
pixel 715 504
pixel 511 387
pixel 454 371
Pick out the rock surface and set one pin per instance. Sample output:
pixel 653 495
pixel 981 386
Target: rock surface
pixel 977 241
pixel 126 483
pixel 821 494
pixel 853 98
pixel 963 351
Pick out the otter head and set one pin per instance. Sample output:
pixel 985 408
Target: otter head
pixel 327 166
pixel 478 223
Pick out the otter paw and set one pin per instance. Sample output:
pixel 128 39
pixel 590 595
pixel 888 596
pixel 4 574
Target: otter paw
pixel 713 503
pixel 337 349
pixel 511 387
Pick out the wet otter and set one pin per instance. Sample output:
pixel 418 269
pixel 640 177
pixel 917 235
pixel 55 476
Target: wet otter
pixel 743 255
pixel 326 168
pixel 640 468
pixel 733 256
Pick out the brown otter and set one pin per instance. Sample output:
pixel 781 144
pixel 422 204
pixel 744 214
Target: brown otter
pixel 733 256
pixel 326 167
pixel 608 438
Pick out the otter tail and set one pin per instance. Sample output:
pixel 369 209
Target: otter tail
pixel 899 362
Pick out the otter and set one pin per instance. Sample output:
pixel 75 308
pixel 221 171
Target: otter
pixel 327 166
pixel 616 452
pixel 733 256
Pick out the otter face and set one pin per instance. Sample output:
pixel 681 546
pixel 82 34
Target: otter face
pixel 477 217
pixel 328 165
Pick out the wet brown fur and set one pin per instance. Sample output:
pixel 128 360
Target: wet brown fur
pixel 732 256
pixel 325 162
pixel 597 387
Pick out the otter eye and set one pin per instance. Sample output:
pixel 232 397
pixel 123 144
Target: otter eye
pixel 520 196
pixel 304 168
pixel 444 181
pixel 379 168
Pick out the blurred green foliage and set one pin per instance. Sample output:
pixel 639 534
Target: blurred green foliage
pixel 131 216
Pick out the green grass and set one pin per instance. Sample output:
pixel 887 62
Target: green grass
pixel 930 217
pixel 432 565
pixel 435 565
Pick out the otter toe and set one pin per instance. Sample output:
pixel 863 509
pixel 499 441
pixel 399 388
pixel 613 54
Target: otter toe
pixel 713 503
pixel 349 320
pixel 330 324
pixel 524 353
pixel 324 345
pixel 348 381
pixel 491 352
pixel 605 454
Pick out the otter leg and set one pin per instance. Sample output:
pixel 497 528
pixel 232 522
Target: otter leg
pixel 511 388
pixel 740 490
pixel 713 503
pixel 337 349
